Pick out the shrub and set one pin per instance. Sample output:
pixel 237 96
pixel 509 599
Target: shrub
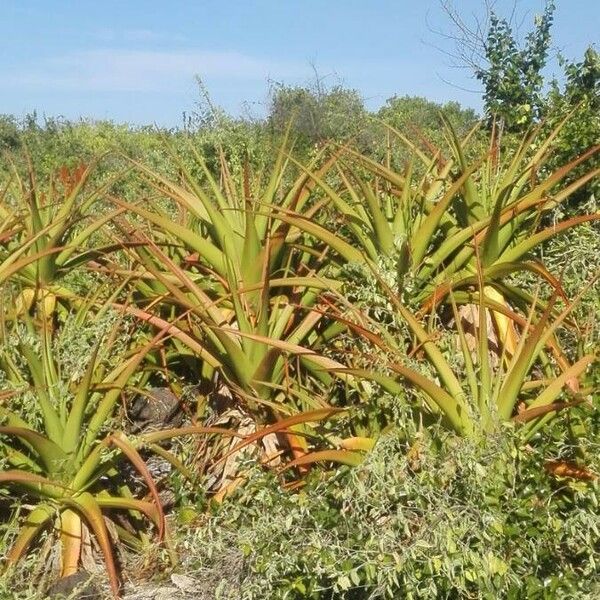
pixel 442 517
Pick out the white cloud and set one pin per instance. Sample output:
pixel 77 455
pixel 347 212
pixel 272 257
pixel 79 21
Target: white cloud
pixel 111 35
pixel 111 70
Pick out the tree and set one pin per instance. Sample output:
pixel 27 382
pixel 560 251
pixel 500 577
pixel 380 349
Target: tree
pixel 582 80
pixel 511 72
pixel 580 93
pixel 9 133
pixel 513 80
pixel 318 113
pixel 406 112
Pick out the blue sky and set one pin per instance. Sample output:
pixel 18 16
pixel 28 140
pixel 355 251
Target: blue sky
pixel 136 61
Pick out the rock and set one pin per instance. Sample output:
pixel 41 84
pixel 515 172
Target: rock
pixel 156 409
pixel 160 592
pixel 184 583
pixel 78 586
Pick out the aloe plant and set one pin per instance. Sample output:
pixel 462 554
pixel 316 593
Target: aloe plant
pixel 437 227
pixel 526 387
pixel 46 232
pixel 60 449
pixel 242 287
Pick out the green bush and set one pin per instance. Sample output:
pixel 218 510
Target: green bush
pixel 440 518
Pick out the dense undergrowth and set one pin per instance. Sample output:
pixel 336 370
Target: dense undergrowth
pixel 438 517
